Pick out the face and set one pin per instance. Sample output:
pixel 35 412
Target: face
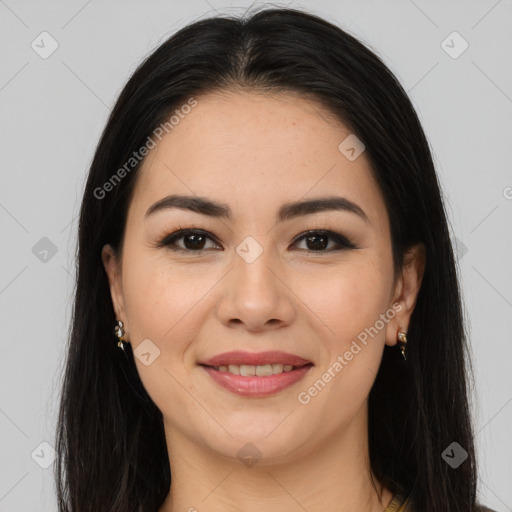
pixel 314 282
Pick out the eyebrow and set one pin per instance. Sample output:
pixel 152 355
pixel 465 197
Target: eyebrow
pixel 287 211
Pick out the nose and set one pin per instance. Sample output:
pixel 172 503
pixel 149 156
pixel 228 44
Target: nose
pixel 255 294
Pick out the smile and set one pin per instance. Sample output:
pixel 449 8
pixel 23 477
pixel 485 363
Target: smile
pixel 256 381
pixel 260 371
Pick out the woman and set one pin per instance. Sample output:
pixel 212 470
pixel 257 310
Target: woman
pixel 267 308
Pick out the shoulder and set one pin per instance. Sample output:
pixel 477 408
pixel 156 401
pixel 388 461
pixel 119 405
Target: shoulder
pixel 478 508
pixel 482 508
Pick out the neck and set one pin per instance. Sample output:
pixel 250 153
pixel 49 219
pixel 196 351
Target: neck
pixel 333 475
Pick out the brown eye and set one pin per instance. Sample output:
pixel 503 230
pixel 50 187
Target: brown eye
pixel 318 241
pixel 193 240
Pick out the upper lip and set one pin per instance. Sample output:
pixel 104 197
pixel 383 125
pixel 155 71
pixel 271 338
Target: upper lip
pixel 239 357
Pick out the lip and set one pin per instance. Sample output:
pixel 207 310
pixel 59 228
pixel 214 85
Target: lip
pixel 239 357
pixel 253 386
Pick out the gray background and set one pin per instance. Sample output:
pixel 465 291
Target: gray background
pixel 52 113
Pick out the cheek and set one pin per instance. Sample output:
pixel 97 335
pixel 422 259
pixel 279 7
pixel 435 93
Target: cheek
pixel 350 300
pixel 348 307
pixel 160 298
pixel 162 307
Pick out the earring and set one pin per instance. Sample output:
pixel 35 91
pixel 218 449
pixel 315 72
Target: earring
pixel 402 338
pixel 119 332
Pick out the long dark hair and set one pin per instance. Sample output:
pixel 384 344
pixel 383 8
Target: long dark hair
pixel 111 446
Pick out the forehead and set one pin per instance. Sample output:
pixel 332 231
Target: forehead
pixel 256 149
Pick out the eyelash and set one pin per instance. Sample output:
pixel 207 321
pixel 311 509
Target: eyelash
pixel 169 239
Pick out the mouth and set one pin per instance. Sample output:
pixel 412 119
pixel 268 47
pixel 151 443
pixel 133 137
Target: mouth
pixel 256 375
pixel 262 370
pixel 244 358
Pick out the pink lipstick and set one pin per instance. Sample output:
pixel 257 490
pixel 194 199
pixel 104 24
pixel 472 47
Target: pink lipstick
pixel 256 374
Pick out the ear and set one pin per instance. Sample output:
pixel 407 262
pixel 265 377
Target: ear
pixel 113 269
pixel 407 286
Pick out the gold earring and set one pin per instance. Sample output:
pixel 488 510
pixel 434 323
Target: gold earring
pixel 119 332
pixel 402 338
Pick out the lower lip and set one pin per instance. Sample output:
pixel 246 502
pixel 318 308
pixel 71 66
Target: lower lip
pixel 257 386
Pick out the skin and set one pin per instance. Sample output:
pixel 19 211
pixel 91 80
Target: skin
pixel 255 152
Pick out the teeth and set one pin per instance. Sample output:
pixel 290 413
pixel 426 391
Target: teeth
pixel 262 370
pixel 233 369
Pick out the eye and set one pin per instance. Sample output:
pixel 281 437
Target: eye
pixel 318 240
pixel 195 240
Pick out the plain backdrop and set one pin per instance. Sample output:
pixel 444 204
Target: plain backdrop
pixel 54 105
